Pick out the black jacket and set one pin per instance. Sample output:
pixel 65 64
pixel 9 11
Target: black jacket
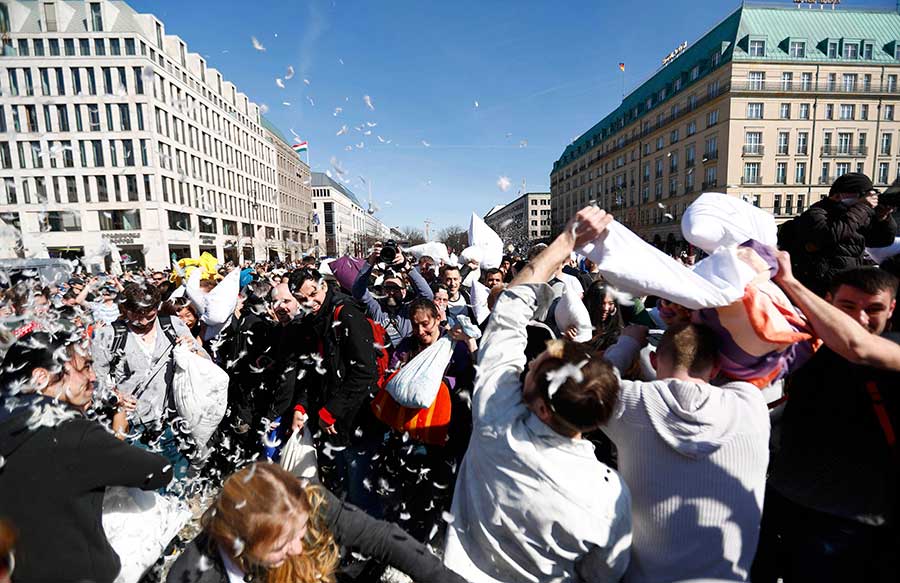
pixel 248 354
pixel 353 529
pixel 52 486
pixel 345 380
pixel 832 237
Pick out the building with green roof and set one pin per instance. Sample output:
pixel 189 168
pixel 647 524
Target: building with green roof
pixel 771 104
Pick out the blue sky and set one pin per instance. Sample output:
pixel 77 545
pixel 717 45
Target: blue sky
pixel 542 73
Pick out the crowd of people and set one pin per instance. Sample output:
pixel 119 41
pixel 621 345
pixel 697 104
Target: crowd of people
pixel 517 421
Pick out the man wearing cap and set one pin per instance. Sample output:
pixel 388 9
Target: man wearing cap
pixel 832 235
pixel 391 311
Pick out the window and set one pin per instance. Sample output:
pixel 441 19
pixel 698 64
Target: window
pixel 751 173
pixel 841 168
pixel 804 111
pixel 208 225
pixel 96 17
pixel 851 50
pixel 94 116
pixel 849 82
pixel 62 118
pixel 757 48
pixel 826 174
pixel 97 151
pixel 776 205
pixel 867 51
pixel 845 140
pixel 885 144
pixel 754 111
pixel 58 221
pixel 695 73
pixel 847 111
pixel 84 47
pixel 832 81
pixel 99 47
pixel 806 81
pixel 231 228
pixel 802 142
pixel 69 47
pixel 784 112
pixel 692 128
pixel 892 83
pixel 673 137
pixel 50 24
pixel 832 49
pixel 23 48
pixel 889 112
pixel 5 156
pixel 800 176
pixel 179 221
pixel 102 191
pixel 712 148
pixel 783 143
pixel 781 173
pixel 120 220
pixel 787 81
pixel 798 49
pixel 54 47
pixel 883 172
pixel 712 118
pixel 864 112
pixel 757 80
pixel 753 143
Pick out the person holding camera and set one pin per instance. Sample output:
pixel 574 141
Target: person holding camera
pixel 832 235
pixel 392 310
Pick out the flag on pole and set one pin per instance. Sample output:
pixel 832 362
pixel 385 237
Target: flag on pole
pixel 301 146
pixel 622 67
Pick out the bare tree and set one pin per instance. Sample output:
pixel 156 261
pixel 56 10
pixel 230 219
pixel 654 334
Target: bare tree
pixel 412 236
pixel 455 238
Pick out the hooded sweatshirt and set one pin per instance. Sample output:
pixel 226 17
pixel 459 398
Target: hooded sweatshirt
pixel 695 458
pixel 57 466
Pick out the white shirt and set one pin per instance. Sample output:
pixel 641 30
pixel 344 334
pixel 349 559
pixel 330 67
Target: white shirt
pixel 529 502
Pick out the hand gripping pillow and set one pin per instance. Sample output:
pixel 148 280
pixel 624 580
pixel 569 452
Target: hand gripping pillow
pixel 417 384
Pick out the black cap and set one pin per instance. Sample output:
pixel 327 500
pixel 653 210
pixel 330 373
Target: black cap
pixel 851 183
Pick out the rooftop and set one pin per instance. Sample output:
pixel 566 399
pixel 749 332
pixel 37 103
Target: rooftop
pixel 729 40
pixel 320 179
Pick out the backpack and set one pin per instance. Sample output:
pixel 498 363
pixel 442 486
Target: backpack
pixel 121 336
pixel 381 343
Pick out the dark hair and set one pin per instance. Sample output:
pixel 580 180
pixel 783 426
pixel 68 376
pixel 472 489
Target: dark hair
pixel 423 305
pixel 491 271
pixel 584 405
pixel 137 297
pixel 300 276
pixel 447 268
pixel 172 306
pixel 693 347
pixel 33 351
pixel 437 286
pixel 870 280
pixel 606 333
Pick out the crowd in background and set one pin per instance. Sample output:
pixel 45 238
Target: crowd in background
pixel 525 421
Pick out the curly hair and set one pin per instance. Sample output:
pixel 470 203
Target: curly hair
pixel 254 510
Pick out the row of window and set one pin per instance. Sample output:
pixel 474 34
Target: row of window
pixel 97 47
pixel 64 189
pixel 846 111
pixel 834 48
pixel 830 171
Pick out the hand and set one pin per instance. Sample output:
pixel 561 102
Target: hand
pixel 571 333
pixel 637 332
pixel 298 422
pixel 785 272
pixel 375 257
pixel 126 403
pixel 882 212
pixel 588 225
pixel 399 259
pixel 456 333
pixel 329 429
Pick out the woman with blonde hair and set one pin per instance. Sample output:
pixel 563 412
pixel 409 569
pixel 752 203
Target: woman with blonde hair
pixel 266 526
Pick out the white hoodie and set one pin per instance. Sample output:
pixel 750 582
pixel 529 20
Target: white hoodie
pixel 694 457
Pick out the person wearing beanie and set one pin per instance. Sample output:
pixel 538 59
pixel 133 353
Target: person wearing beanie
pixel 832 235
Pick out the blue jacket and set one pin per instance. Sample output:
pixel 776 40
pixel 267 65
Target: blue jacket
pixel 397 324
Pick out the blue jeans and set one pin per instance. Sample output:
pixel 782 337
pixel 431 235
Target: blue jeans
pixel 163 441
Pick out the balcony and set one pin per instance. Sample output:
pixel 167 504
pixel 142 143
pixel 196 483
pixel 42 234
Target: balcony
pixel 753 150
pixel 751 180
pixel 710 156
pixel 780 86
pixel 846 151
pixel 827 179
pixel 707 185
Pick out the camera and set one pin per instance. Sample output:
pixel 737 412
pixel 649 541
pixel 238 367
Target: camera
pixel 891 195
pixel 389 251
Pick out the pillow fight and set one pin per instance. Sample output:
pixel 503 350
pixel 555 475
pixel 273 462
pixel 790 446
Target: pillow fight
pixel 591 409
